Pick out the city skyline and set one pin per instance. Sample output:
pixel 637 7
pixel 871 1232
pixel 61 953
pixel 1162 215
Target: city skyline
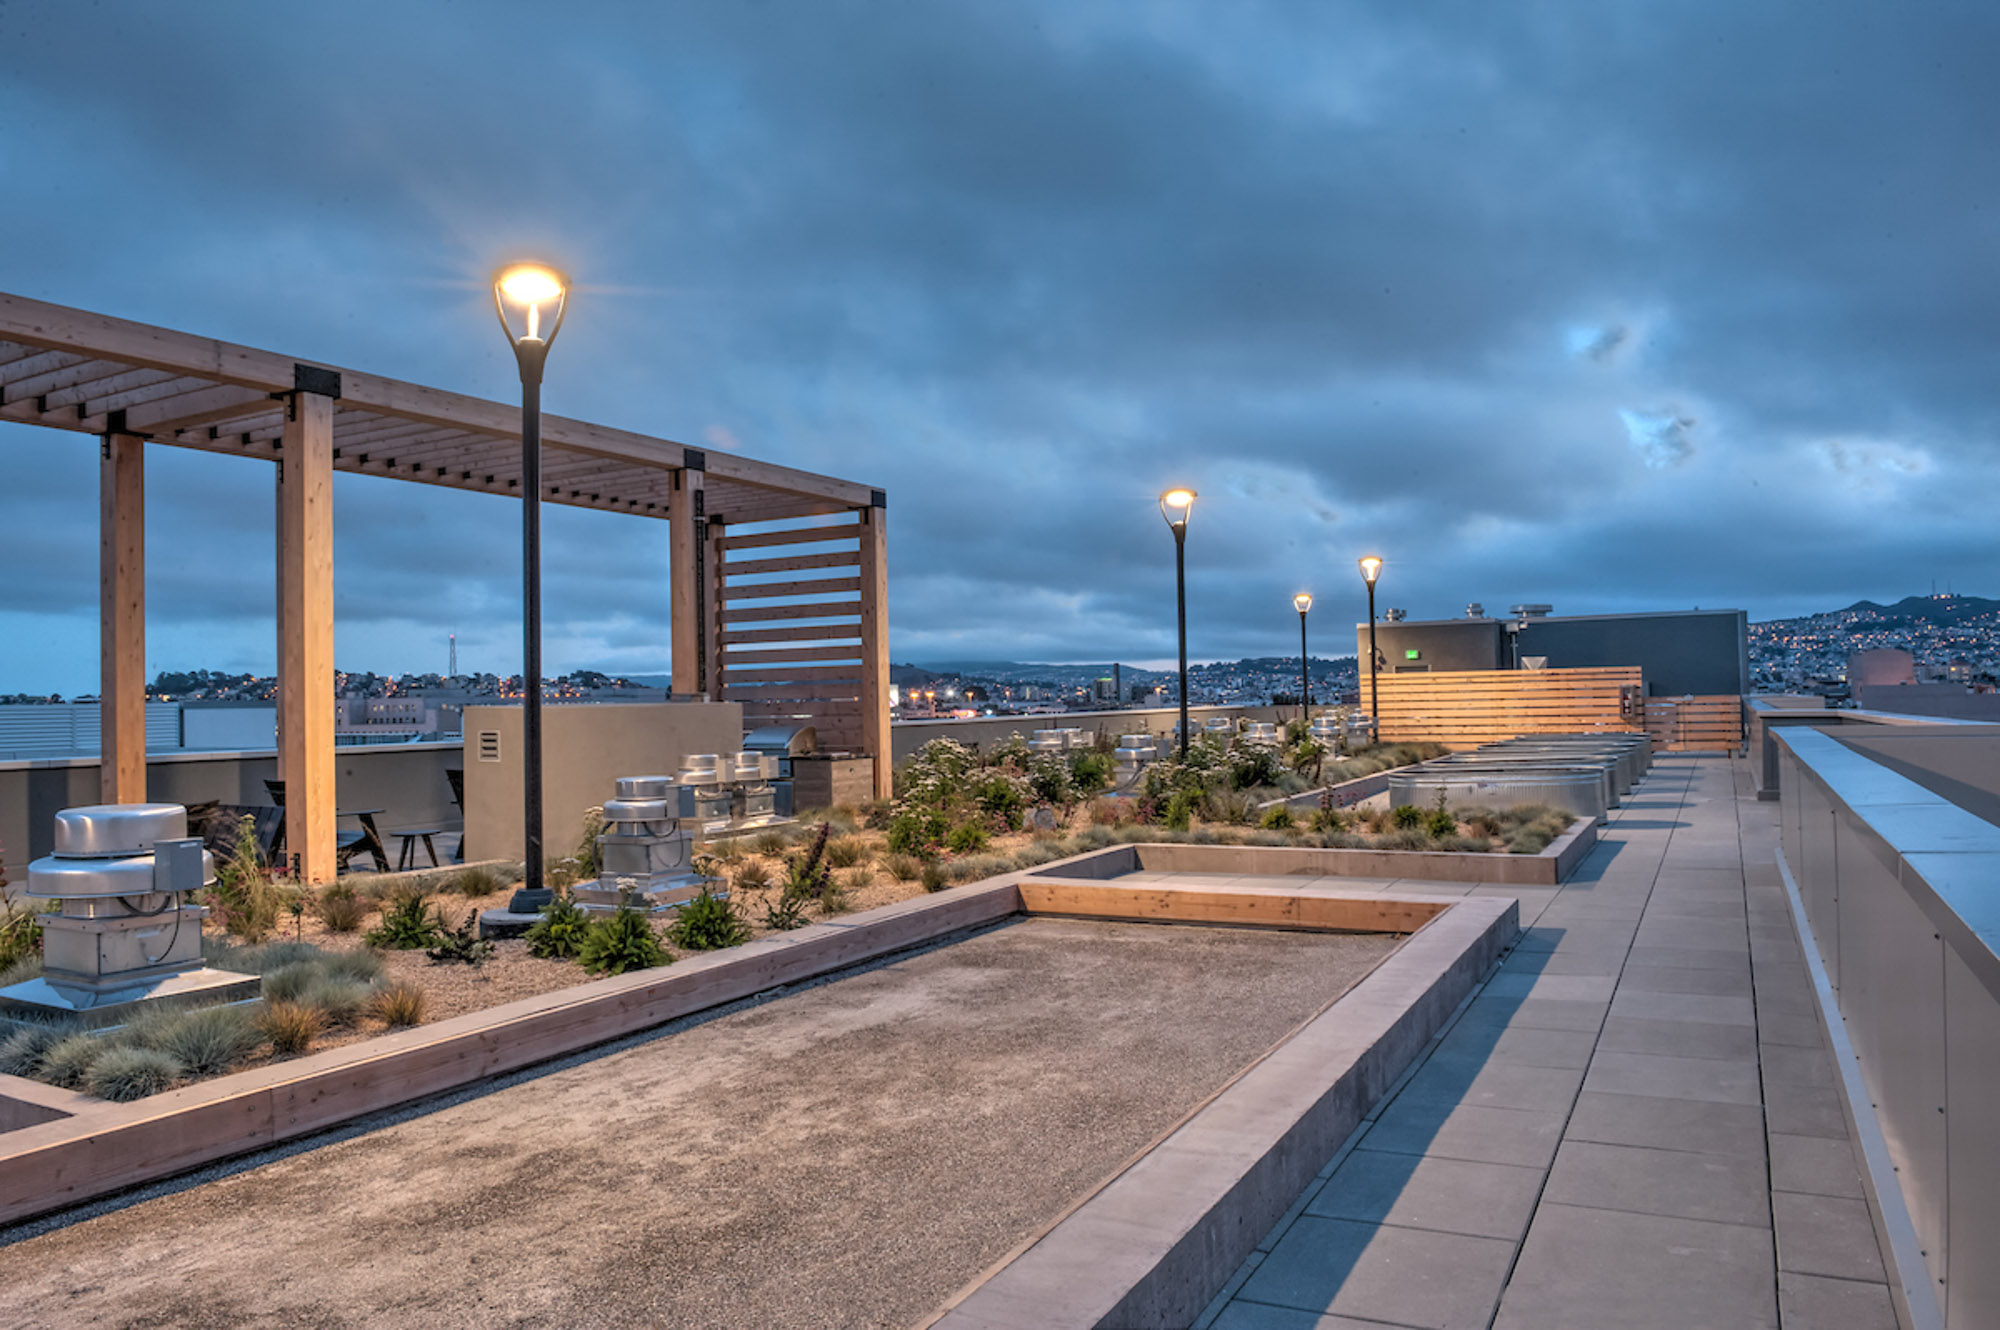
pixel 1615 311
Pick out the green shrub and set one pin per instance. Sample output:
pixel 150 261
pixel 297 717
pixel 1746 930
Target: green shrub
pixel 1409 838
pixel 976 867
pixel 126 1072
pixel 290 1026
pixel 1529 840
pixel 1406 816
pixel 362 966
pixel 21 1052
pixel 462 945
pixel 246 899
pixel 558 935
pixel 754 875
pixel 917 831
pixel 205 1041
pixel 587 857
pixel 1328 819
pixel 807 873
pixel 785 912
pixel 771 843
pixel 1278 818
pixel 67 1062
pixel 839 897
pixel 1441 822
pixel 20 931
pixel 1002 796
pixel 1457 844
pixel 1179 813
pixel 966 838
pixel 288 983
pixel 933 876
pixel 1261 837
pixel 410 924
pixel 708 923
pixel 1251 766
pixel 400 1005
pixel 1091 771
pixel 846 852
pixel 340 908
pixel 622 942
pixel 339 1001
pixel 903 867
pixel 478 880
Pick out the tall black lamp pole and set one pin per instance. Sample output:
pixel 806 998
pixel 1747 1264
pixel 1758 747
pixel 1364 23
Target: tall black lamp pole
pixel 1303 602
pixel 1176 506
pixel 1371 568
pixel 522 293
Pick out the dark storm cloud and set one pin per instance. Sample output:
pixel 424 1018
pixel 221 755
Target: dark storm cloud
pixel 1603 304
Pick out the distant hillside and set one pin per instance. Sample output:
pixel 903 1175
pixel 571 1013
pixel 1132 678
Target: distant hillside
pixel 1926 609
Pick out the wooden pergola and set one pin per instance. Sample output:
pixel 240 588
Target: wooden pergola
pixel 812 647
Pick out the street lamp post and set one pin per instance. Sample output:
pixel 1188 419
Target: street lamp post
pixel 530 298
pixel 1303 602
pixel 1176 506
pixel 1371 568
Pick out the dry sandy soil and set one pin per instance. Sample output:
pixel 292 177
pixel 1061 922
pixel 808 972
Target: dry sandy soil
pixel 848 1154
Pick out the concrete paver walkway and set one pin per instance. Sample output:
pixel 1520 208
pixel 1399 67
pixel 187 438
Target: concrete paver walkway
pixel 1634 1124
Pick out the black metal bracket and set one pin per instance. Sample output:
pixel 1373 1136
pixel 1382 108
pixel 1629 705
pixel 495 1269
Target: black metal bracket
pixel 878 498
pixel 694 459
pixel 313 379
pixel 114 421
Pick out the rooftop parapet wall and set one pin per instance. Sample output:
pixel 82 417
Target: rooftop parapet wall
pixel 1896 883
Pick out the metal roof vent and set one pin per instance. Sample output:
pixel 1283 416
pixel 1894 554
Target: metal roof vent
pixel 1531 611
pixel 1475 611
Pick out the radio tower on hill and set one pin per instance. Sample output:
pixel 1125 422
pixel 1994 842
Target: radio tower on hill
pixel 454 657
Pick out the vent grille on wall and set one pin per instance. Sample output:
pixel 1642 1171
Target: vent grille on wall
pixel 489 745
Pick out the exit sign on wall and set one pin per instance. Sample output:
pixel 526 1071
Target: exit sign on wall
pixel 1412 654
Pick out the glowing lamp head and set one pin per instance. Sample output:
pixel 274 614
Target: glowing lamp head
pixel 530 298
pixel 1302 602
pixel 1371 568
pixel 1176 506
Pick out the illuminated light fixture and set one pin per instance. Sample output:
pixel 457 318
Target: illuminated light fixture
pixel 1177 505
pixel 1303 602
pixel 523 294
pixel 530 299
pixel 1371 569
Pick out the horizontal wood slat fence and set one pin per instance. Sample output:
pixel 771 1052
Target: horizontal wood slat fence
pixel 817 678
pixel 1711 724
pixel 1466 708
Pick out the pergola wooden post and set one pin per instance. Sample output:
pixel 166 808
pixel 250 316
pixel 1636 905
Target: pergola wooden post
pixel 121 608
pixel 305 670
pixel 875 645
pixel 688 582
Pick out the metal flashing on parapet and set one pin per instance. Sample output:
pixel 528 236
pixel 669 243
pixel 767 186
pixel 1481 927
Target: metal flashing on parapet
pixel 694 459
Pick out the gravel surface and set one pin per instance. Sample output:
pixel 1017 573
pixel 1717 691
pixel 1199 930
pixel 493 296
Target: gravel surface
pixel 847 1154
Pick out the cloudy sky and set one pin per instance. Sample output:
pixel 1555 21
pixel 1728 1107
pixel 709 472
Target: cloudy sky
pixel 1610 305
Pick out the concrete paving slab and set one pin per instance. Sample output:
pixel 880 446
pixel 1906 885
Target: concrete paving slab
pixel 1263 1316
pixel 1524 1045
pixel 1805 1110
pixel 1692 958
pixel 1669 1124
pixel 1443 1195
pixel 1799 1031
pixel 1798 1066
pixel 1402 1276
pixel 1834 1304
pixel 1816 1164
pixel 1679 979
pixel 1584 1269
pixel 1676 1183
pixel 1526 982
pixel 1715 1080
pixel 1467 1131
pixel 1826 1235
pixel 1534 1013
pixel 1486 1082
pixel 1717 1010
pixel 1605 963
pixel 1680 1039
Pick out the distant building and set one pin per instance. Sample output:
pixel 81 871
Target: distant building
pixel 1705 653
pixel 1881 667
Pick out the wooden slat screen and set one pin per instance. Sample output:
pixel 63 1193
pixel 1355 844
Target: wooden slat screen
pixel 1710 724
pixel 814 677
pixel 1463 709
